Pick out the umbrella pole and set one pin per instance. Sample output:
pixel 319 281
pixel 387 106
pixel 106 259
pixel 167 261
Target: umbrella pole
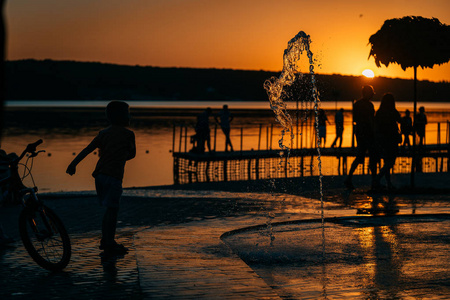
pixel 413 164
pixel 2 67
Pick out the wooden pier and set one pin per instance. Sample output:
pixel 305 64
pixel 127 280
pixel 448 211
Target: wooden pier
pixel 265 164
pixel 303 160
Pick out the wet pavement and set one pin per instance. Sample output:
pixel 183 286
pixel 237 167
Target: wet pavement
pixel 174 241
pixel 88 275
pixel 385 257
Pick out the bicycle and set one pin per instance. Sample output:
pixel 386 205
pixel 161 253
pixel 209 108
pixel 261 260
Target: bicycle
pixel 42 232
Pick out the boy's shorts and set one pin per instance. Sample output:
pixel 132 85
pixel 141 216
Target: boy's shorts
pixel 109 190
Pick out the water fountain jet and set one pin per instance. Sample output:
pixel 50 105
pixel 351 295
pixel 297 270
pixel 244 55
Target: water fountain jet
pixel 275 88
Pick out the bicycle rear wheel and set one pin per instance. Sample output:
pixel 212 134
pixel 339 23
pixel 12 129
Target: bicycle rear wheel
pixel 45 238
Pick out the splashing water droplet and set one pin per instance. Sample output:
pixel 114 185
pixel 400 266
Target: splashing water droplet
pixel 275 88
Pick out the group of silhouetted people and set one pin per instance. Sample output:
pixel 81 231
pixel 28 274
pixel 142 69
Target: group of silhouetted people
pixel 202 135
pixel 377 133
pixel 322 121
pixel 407 129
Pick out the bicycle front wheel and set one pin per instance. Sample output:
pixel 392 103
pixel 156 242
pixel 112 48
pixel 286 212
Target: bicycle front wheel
pixel 45 238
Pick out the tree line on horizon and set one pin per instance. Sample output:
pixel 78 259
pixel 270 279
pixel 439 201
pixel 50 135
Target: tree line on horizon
pixel 71 80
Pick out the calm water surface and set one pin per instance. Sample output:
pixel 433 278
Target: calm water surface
pixel 153 164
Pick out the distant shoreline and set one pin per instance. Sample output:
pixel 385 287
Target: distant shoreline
pixel 199 105
pixel 71 80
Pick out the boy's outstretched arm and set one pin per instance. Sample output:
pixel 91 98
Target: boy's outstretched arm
pixel 71 169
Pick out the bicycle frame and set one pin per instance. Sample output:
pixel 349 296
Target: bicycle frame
pixel 42 232
pixel 33 197
pixel 33 203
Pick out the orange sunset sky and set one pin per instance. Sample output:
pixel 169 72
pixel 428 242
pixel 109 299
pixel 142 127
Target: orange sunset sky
pixel 237 34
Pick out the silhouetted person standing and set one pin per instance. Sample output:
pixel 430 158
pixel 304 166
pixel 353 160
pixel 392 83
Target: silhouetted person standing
pixel 406 128
pixel 224 121
pixel 322 122
pixel 363 118
pixel 202 130
pixel 116 145
pixel 420 123
pixel 339 123
pixel 387 137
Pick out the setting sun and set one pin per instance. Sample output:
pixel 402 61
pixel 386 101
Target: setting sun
pixel 368 73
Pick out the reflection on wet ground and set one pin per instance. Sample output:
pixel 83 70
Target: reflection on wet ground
pixel 371 258
pixel 88 276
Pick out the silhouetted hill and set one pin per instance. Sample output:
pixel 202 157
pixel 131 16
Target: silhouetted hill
pixel 70 80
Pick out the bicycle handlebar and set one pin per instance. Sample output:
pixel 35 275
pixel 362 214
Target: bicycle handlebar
pixel 31 148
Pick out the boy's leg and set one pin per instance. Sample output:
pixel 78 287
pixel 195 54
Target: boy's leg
pixel 109 225
pixel 109 191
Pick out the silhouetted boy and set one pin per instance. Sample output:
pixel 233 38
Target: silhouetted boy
pixel 116 145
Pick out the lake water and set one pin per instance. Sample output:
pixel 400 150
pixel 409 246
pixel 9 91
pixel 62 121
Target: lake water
pixel 347 105
pixel 67 127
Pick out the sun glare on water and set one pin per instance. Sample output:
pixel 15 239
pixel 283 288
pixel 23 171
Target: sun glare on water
pixel 368 73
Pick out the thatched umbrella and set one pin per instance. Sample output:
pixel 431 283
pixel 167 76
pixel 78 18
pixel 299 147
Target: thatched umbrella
pixel 411 42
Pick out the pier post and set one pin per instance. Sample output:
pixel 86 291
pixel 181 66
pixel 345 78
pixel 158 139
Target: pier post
pixel 215 136
pixel 301 135
pixel 438 133
pixel 447 135
pixel 181 137
pixel 173 138
pixel 271 133
pixel 259 136
pixel 176 169
pixel 185 139
pixel 242 137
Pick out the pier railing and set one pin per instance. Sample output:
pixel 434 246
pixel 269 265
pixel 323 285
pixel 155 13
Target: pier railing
pixel 257 155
